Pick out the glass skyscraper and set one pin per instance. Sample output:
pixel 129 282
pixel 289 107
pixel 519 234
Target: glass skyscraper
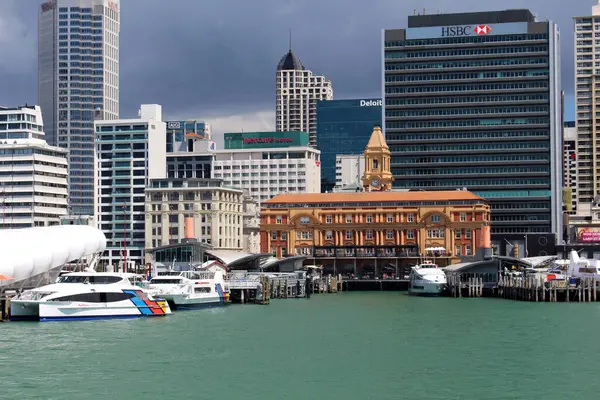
pixel 78 82
pixel 473 101
pixel 343 127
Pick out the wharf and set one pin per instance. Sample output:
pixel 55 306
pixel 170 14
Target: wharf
pixel 376 284
pixel 524 288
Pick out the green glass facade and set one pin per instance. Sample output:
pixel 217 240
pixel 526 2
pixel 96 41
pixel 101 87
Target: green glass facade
pixel 264 140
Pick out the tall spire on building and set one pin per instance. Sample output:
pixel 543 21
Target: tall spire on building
pixel 291 37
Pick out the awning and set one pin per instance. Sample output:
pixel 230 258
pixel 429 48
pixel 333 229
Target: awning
pixel 435 249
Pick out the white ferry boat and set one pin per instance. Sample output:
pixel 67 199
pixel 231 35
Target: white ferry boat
pixel 85 296
pixel 190 289
pixel 427 279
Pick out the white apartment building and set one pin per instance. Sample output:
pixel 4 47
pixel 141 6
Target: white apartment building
pixel 297 92
pixel 349 169
pixel 129 152
pixel 570 167
pixel 587 98
pixel 216 212
pixel 78 81
pixel 33 174
pixel 268 172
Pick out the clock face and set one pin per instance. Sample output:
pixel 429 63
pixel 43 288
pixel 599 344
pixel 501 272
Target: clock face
pixel 375 182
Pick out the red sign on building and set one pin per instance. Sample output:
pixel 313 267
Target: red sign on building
pixel 266 140
pixel 588 235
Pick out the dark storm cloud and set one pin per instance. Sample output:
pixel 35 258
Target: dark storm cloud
pixel 219 57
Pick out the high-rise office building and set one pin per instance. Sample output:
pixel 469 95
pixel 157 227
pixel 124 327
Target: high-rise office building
pixel 78 81
pixel 297 92
pixel 343 127
pixel 473 100
pixel 570 184
pixel 587 97
pixel 129 153
pixel 33 175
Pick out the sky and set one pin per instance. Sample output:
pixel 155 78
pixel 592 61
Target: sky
pixel 216 60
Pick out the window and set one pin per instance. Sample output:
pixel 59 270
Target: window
pixel 390 218
pixel 375 164
pixel 369 235
pixel 468 234
pixel 457 250
pixel 96 297
pixel 410 234
pixel 274 251
pixel 306 235
pixel 283 235
pixel 328 235
pixel 273 235
pixel 283 252
pixel 348 219
pixel 468 250
pixel 305 220
pixel 278 219
pixel 390 235
pixel 348 235
pixel 369 219
pixel 463 217
pixel 411 218
pixel 435 218
pixel 328 219
pixel 457 234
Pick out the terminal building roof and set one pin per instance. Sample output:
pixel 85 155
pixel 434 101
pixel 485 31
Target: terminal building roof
pixel 364 197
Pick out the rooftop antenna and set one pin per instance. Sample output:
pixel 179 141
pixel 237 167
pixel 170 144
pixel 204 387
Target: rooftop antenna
pixel 290 39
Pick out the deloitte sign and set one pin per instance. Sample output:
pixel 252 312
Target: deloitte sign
pixel 371 103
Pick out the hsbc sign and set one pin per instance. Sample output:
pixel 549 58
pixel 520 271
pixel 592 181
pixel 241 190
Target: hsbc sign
pixel 465 30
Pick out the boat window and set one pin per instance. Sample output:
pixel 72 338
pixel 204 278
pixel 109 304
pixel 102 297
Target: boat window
pixel 83 297
pixel 112 297
pixel 73 279
pixel 103 280
pixel 96 297
pixel 202 290
pixel 163 281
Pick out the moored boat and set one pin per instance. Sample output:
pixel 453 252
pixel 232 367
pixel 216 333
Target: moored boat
pixel 426 279
pixel 86 296
pixel 190 289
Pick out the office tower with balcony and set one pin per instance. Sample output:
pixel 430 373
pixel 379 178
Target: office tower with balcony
pixel 473 100
pixel 33 174
pixel 297 92
pixel 129 153
pixel 78 81
pixel 587 110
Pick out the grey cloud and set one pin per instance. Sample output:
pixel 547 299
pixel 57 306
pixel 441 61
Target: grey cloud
pixel 219 57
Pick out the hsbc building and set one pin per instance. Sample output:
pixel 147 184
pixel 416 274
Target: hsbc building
pixel 473 100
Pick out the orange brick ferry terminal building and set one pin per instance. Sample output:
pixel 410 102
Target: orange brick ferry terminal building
pixel 377 232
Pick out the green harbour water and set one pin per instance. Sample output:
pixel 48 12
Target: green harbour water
pixel 362 345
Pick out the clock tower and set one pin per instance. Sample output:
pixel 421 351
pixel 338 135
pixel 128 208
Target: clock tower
pixel 378 176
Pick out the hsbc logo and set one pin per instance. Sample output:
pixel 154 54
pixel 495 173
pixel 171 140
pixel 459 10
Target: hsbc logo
pixel 482 30
pixel 465 30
